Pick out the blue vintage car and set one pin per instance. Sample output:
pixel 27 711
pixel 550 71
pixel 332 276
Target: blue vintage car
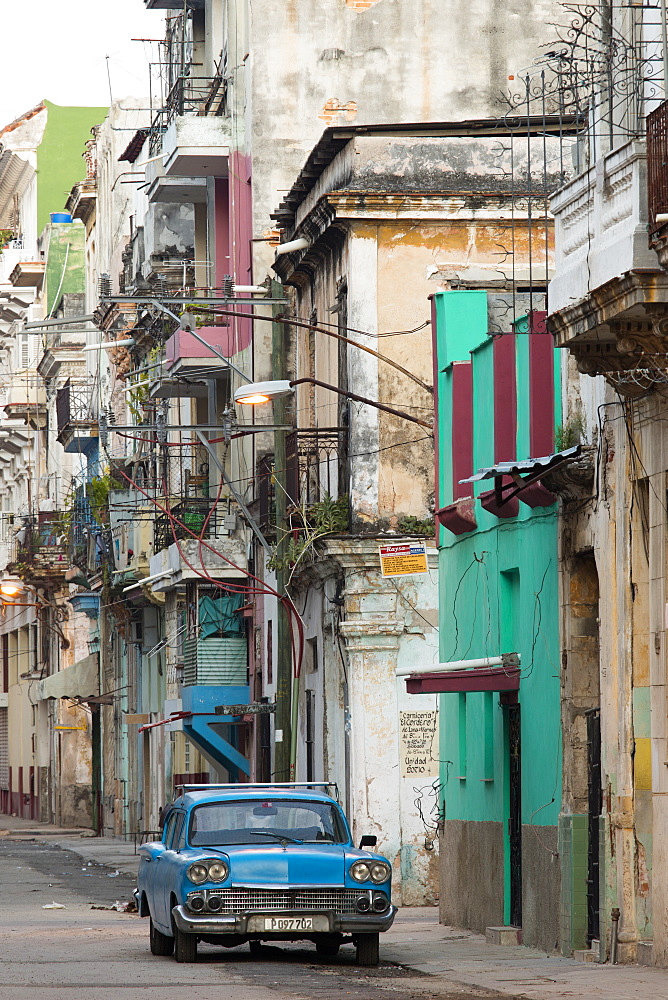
pixel 252 863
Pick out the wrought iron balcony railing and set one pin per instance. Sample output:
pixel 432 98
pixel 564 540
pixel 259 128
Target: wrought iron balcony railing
pixel 76 411
pixel 316 465
pixel 39 549
pixel 200 515
pixel 190 95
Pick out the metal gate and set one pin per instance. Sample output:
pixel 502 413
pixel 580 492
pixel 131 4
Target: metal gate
pixel 4 749
pixel 515 817
pixel 595 803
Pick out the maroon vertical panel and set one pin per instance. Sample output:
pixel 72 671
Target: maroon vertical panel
pixel 505 399
pixel 436 366
pixel 222 229
pixel 241 234
pixel 462 428
pixel 541 387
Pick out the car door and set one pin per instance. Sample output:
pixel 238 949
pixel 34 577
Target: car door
pixel 164 874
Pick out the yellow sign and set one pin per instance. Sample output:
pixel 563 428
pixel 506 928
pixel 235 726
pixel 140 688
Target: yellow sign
pixel 403 559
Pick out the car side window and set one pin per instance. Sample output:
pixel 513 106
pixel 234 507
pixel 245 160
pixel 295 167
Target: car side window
pixel 180 837
pixel 179 840
pixel 169 830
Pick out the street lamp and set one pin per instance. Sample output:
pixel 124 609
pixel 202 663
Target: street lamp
pixel 11 586
pixel 263 392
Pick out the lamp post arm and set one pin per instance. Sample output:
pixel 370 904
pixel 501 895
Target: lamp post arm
pixel 337 336
pixel 362 347
pixel 363 399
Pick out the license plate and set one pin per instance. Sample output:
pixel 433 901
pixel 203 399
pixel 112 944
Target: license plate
pixel 257 924
pixel 288 923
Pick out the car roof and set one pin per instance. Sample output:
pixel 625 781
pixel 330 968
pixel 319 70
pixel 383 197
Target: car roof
pixel 195 796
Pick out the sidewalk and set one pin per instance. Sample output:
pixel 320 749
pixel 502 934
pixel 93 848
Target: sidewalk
pixel 419 942
pixel 109 851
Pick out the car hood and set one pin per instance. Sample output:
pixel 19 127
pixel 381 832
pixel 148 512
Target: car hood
pixel 300 864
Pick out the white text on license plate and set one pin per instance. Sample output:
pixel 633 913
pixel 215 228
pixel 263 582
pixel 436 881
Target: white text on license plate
pixel 288 923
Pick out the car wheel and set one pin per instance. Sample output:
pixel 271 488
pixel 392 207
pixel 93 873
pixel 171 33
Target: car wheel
pixel 367 949
pixel 160 943
pixel 185 946
pixel 328 947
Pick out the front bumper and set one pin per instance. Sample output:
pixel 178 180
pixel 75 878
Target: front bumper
pixel 237 923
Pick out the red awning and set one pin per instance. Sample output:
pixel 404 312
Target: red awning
pixel 502 678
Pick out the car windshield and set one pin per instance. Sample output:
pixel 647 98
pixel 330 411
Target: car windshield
pixel 265 821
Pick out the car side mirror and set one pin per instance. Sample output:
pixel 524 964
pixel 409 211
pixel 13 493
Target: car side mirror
pixel 368 840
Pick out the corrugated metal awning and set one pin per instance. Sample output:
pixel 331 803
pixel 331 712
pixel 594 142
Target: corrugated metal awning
pixel 527 465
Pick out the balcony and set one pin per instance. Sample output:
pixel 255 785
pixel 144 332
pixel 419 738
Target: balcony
pixel 26 400
pixel 39 551
pixel 315 464
pixel 173 4
pixel 197 514
pixel 28 274
pixel 189 141
pixel 196 143
pixel 186 355
pixel 76 413
pixel 215 661
pixel 609 296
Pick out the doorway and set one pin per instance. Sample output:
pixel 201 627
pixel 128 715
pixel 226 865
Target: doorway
pixel 595 797
pixel 515 813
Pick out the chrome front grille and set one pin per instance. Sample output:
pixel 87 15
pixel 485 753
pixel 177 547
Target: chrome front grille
pixel 241 900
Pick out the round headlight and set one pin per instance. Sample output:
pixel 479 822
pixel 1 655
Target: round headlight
pixel 380 872
pixel 360 871
pixel 218 871
pixel 198 873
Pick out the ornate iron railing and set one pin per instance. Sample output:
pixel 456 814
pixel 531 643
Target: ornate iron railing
pixel 657 166
pixel 76 406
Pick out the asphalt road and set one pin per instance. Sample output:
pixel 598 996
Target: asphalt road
pixel 87 951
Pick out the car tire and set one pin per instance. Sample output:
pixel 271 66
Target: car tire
pixel 367 949
pixel 160 943
pixel 185 946
pixel 328 947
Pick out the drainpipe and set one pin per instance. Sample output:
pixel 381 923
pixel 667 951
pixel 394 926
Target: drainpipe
pixel 615 932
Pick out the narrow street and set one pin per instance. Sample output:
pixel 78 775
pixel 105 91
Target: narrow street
pixel 89 950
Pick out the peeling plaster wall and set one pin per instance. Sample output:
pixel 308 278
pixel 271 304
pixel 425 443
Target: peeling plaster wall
pixel 359 699
pixel 626 530
pixel 313 65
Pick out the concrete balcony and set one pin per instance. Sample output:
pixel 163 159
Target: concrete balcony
pixel 26 400
pixel 177 572
pixel 28 274
pixel 609 297
pixel 196 146
pixel 186 355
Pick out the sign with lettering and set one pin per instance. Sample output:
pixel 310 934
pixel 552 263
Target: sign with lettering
pixel 403 559
pixel 419 744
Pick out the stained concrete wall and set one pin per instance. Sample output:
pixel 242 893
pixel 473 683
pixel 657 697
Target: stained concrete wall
pixel 336 63
pixel 541 887
pixel 471 856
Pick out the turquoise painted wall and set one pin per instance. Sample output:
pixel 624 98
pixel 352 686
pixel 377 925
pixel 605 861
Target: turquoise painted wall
pixel 498 593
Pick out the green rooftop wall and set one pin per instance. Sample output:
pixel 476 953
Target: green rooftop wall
pixel 65 262
pixel 60 162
